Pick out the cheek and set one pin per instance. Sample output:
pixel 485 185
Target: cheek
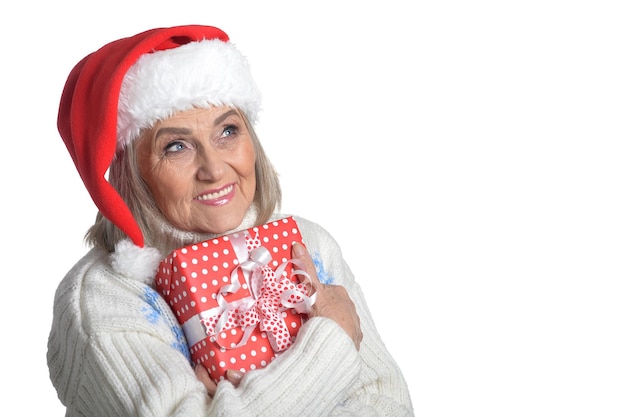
pixel 165 184
pixel 248 161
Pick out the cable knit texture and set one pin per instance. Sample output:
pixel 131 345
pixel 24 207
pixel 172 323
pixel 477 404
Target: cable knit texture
pixel 115 349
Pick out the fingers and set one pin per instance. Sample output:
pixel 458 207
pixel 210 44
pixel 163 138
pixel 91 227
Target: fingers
pixel 299 252
pixel 234 376
pixel 307 272
pixel 203 376
pixel 331 301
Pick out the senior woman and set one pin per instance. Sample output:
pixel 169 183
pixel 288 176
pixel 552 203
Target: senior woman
pixel 160 128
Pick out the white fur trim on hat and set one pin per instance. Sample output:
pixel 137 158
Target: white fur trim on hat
pixel 198 74
pixel 135 262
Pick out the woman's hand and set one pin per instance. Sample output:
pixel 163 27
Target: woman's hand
pixel 332 301
pixel 203 376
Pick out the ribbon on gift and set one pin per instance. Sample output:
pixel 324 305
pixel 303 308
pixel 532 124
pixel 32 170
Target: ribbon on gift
pixel 272 293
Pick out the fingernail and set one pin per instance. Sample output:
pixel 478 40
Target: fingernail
pixel 298 249
pixel 234 376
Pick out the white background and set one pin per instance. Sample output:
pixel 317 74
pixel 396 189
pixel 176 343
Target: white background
pixel 467 155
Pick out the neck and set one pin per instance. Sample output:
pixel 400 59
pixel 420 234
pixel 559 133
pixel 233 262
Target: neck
pixel 173 238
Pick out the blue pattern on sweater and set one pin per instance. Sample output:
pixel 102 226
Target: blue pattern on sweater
pixel 322 274
pixel 155 313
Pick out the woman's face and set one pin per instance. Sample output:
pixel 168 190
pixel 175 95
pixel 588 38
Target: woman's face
pixel 199 166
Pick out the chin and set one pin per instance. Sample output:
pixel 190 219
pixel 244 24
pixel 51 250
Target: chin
pixel 225 225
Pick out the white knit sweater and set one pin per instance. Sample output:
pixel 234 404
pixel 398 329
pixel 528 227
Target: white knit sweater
pixel 116 349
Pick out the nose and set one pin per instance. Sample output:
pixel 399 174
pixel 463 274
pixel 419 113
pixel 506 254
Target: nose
pixel 211 165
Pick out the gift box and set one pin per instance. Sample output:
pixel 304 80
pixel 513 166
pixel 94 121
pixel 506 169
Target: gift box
pixel 237 297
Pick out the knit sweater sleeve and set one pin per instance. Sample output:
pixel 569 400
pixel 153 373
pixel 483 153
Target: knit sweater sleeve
pixel 323 374
pixel 380 389
pixel 115 348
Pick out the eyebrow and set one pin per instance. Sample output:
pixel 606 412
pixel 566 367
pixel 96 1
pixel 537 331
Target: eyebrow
pixel 172 131
pixel 186 131
pixel 220 119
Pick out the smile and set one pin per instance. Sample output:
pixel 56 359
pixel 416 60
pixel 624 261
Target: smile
pixel 218 194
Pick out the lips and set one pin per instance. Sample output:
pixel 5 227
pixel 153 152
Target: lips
pixel 219 197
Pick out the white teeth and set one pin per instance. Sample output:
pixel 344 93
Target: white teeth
pixel 218 194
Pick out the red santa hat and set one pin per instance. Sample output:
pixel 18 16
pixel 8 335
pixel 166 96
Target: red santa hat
pixel 129 84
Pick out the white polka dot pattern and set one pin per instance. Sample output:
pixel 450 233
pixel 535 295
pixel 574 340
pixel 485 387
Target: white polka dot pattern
pixel 193 278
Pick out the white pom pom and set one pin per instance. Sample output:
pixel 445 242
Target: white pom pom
pixel 134 262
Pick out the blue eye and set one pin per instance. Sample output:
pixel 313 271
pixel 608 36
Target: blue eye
pixel 174 147
pixel 229 130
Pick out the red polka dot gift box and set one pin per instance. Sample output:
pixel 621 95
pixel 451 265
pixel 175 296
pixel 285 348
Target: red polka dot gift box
pixel 238 297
